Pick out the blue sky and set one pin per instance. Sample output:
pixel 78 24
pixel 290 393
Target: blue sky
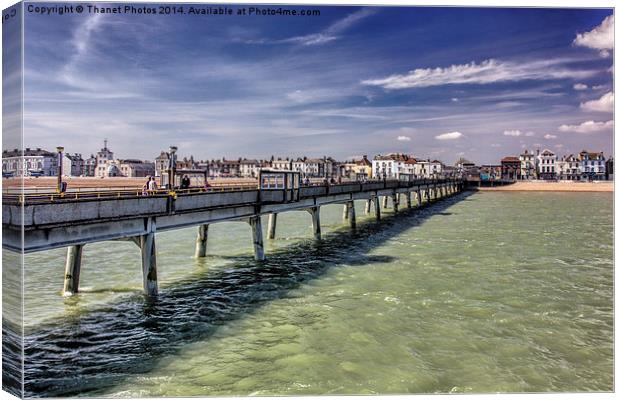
pixel 432 82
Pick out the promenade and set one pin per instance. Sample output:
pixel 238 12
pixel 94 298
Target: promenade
pixel 551 186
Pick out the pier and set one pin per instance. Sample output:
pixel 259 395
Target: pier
pixel 41 222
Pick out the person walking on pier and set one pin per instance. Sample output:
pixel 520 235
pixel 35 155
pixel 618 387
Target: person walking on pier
pixel 185 182
pixel 152 185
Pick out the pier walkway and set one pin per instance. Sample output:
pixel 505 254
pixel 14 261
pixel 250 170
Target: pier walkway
pixel 41 222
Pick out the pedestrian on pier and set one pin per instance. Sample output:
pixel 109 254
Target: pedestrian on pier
pixel 185 182
pixel 152 185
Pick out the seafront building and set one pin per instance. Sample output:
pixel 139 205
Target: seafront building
pixel 72 165
pixel 29 162
pixel 358 169
pixel 527 169
pixel 545 165
pixel 511 168
pixel 592 165
pixel 107 166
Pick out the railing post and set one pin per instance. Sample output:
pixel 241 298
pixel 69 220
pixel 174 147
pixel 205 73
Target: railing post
pixel 201 241
pixel 72 269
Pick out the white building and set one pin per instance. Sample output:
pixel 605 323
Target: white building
pixel 546 165
pixel 249 168
pixel 528 165
pixel 568 168
pixel 315 168
pixel 388 166
pixel 29 163
pixel 281 164
pixel 72 165
pixel 104 159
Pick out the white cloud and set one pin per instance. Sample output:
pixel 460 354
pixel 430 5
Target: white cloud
pixel 599 87
pixel 496 145
pixel 604 104
pixel 327 35
pixel 580 86
pixel 514 132
pixel 529 134
pixel 455 99
pixel 587 127
pixel 549 136
pixel 558 146
pixel 403 139
pixel 488 71
pixel 449 136
pixel 600 38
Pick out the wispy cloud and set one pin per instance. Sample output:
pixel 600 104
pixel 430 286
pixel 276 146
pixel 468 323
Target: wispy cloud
pixel 403 139
pixel 549 136
pixel 513 132
pixel 588 127
pixel 329 34
pixel 449 136
pixel 600 38
pixel 604 104
pixel 486 72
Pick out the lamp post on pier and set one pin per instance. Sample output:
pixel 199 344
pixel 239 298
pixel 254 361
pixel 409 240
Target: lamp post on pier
pixel 59 185
pixel 172 167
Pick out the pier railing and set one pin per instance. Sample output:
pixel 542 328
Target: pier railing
pixel 50 195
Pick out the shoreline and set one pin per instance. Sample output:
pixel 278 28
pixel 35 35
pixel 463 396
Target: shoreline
pixel 541 186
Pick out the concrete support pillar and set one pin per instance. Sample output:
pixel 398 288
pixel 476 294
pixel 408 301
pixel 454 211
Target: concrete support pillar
pixel 271 226
pixel 72 269
pixel 408 199
pixel 149 264
pixel 345 211
pixel 377 208
pixel 315 212
pixel 368 206
pixel 257 238
pixel 351 212
pixel 419 197
pixel 385 202
pixel 201 241
pixel 395 202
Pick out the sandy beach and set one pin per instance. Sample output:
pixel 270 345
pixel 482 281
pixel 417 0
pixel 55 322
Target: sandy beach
pixel 562 186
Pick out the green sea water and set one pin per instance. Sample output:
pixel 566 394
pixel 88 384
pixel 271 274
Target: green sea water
pixel 484 292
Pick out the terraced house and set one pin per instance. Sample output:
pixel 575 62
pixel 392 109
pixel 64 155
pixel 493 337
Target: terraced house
pixel 592 166
pixel 545 162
